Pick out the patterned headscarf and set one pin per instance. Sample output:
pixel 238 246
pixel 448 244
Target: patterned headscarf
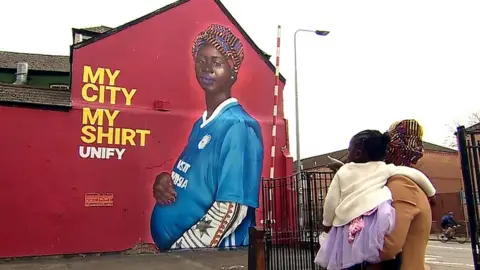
pixel 222 38
pixel 406 146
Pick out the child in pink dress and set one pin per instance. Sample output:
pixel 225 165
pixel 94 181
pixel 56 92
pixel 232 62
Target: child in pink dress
pixel 358 203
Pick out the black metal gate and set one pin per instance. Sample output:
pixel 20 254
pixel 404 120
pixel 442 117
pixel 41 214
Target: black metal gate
pixel 292 219
pixel 468 147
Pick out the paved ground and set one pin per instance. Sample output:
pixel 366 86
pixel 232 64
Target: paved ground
pixel 201 260
pixel 451 256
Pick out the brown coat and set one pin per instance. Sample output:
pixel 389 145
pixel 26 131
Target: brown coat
pixel 412 224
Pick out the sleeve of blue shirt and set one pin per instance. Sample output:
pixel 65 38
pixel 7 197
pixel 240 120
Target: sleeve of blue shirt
pixel 240 165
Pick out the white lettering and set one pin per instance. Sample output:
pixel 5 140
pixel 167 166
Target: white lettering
pixel 95 152
pixel 179 181
pixel 109 152
pixel 119 152
pixel 84 152
pixel 100 152
pixel 185 184
pixel 183 166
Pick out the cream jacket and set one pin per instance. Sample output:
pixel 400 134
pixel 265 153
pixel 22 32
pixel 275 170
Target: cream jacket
pixel 360 187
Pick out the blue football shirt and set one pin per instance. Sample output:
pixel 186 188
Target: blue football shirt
pixel 222 162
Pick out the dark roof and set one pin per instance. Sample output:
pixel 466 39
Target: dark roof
pixel 265 56
pixel 98 29
pixel 23 94
pixel 438 148
pixel 473 128
pixel 40 62
pixel 323 160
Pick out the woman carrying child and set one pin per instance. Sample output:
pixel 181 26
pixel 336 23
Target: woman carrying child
pixel 358 207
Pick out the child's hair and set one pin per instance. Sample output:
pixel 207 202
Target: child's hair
pixel 374 144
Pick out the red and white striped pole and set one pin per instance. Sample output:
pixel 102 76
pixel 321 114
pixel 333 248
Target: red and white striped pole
pixel 275 105
pixel 274 125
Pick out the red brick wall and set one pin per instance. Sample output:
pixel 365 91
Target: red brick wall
pixel 443 169
pixel 445 172
pixel 446 202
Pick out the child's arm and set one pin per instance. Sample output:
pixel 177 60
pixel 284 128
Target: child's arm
pixel 331 202
pixel 419 178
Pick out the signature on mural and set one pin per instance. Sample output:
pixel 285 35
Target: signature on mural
pixel 209 198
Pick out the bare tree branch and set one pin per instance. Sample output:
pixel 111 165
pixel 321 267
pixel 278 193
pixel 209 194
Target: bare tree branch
pixel 474 118
pixel 451 140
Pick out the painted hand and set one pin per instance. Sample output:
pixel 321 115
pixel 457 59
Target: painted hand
pixel 163 190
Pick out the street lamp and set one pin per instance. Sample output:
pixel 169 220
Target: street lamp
pixel 297 120
pixel 297 124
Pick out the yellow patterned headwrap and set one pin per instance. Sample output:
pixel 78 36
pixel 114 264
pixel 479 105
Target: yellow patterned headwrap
pixel 406 146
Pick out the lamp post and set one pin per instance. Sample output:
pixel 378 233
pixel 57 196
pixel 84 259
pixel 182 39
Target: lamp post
pixel 297 124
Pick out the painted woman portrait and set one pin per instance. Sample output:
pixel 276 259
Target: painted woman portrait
pixel 209 199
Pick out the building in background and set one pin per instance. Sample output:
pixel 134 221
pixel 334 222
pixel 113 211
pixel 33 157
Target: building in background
pixel 136 92
pixel 40 80
pixel 475 127
pixel 440 164
pixel 41 70
pixel 81 34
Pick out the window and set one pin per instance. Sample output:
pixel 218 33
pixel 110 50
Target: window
pixel 59 86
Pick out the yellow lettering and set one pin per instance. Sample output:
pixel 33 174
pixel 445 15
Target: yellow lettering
pixel 112 135
pixel 101 134
pixel 89 118
pixel 113 93
pixel 111 116
pixel 85 95
pixel 89 77
pixel 117 135
pixel 101 94
pixel 128 95
pixel 112 77
pixel 88 137
pixel 143 133
pixel 128 135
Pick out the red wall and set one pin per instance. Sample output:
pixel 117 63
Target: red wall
pixel 443 169
pixel 44 179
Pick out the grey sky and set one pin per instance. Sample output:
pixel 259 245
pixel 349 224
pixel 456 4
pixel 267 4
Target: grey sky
pixel 383 61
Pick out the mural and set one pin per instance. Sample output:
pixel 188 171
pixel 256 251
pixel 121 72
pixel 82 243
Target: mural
pixel 217 177
pixel 117 169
